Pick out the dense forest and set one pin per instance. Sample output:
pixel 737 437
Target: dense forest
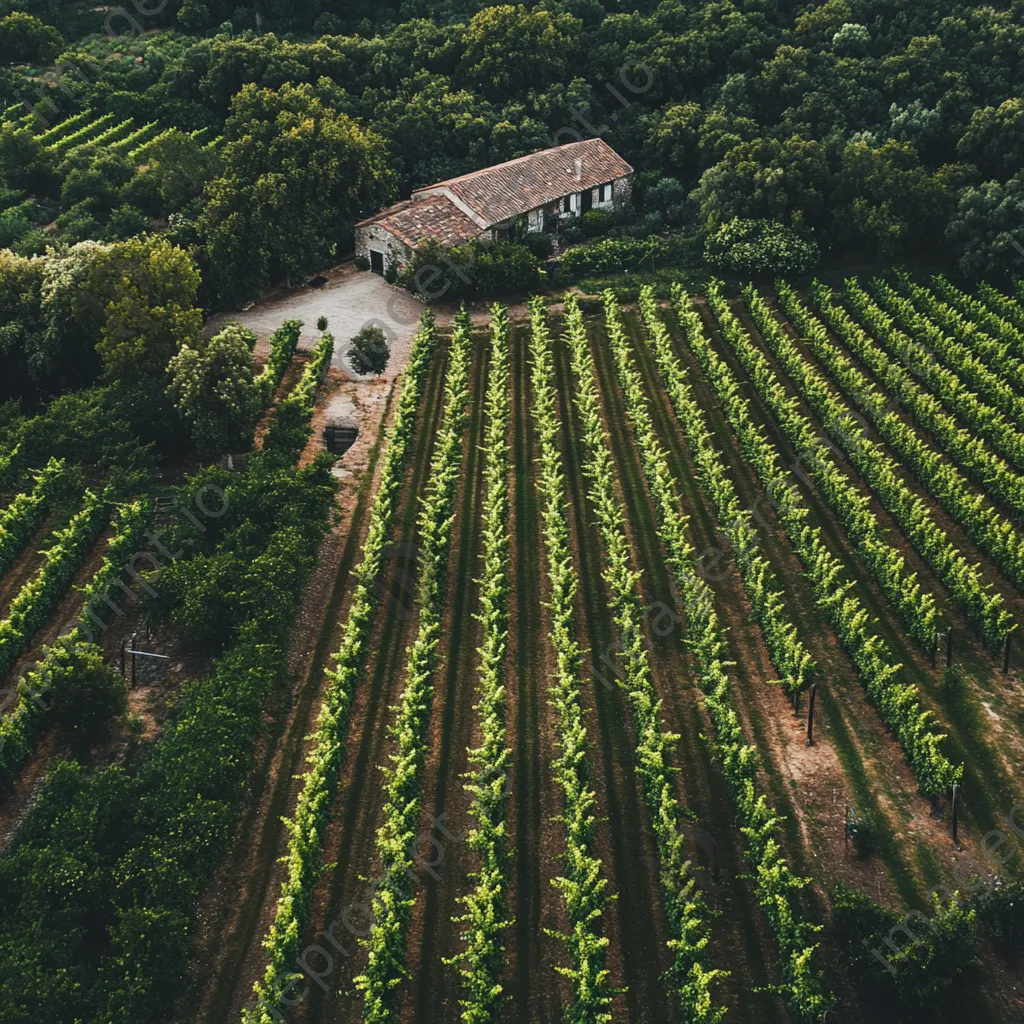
pixel 883 131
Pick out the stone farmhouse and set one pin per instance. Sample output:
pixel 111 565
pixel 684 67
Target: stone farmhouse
pixel 530 193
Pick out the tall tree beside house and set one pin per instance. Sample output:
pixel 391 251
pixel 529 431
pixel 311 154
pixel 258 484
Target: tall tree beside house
pixel 296 175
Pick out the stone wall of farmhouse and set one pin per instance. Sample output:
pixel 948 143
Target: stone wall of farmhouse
pixel 622 193
pixel 373 236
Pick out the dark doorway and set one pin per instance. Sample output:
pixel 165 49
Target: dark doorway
pixel 377 262
pixel 586 201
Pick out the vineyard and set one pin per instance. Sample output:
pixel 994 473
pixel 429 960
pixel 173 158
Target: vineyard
pixel 564 767
pixel 669 672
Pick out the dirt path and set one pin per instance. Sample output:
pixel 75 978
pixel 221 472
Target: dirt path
pixel 635 923
pixel 344 891
pixel 434 990
pixel 537 992
pixel 740 942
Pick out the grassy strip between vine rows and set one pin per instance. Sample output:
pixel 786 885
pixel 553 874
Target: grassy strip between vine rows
pixel 983 524
pixel 38 597
pixel 312 812
pixel 969 367
pixel 392 902
pixel 485 920
pixel 582 886
pixel 916 608
pixel 985 610
pixel 20 520
pixel 20 726
pixel 803 985
pixel 898 702
pixel 917 356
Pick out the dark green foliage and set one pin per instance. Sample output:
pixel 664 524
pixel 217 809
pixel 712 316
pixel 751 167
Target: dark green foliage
pixel 369 352
pixel 908 963
pixel 108 866
pixel 538 243
pixel 595 222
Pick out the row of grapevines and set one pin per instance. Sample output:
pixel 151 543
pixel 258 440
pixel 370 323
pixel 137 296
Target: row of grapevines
pixel 948 350
pixel 897 702
pixel 74 653
pixel 996 314
pixel 140 151
pixel 20 520
pixel 312 811
pixel 582 887
pixel 111 134
pixel 915 607
pixel 392 902
pixel 283 344
pixel 686 916
pixel 136 138
pixel 314 373
pixel 983 524
pixel 985 610
pixel 289 429
pixel 62 143
pixel 789 656
pixel 484 921
pixel 986 421
pixel 996 355
pixel 961 445
pixel 1009 315
pixel 71 123
pixel 35 600
pixel 10 466
pixel 776 885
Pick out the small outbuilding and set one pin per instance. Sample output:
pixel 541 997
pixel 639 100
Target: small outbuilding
pixel 531 193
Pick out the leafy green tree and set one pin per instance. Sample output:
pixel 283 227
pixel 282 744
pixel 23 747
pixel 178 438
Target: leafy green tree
pixel 989 218
pixel 506 45
pixel 785 181
pixel 296 176
pixel 211 385
pixel 994 140
pixel 27 39
pixel 369 352
pixel 673 138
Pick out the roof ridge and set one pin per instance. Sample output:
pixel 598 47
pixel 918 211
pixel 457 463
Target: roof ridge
pixel 515 160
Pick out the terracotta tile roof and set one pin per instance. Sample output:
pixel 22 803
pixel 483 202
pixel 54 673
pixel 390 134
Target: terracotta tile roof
pixel 497 193
pixel 413 220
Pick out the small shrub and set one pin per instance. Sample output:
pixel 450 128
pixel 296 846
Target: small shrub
pixel 369 352
pixel 754 246
pixel 538 243
pixel 362 263
pixel 321 324
pixel 596 222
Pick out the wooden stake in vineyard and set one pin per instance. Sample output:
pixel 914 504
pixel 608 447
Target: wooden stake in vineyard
pixel 809 742
pixel 1006 655
pixel 949 648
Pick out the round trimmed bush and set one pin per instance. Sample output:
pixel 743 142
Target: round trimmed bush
pixel 754 246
